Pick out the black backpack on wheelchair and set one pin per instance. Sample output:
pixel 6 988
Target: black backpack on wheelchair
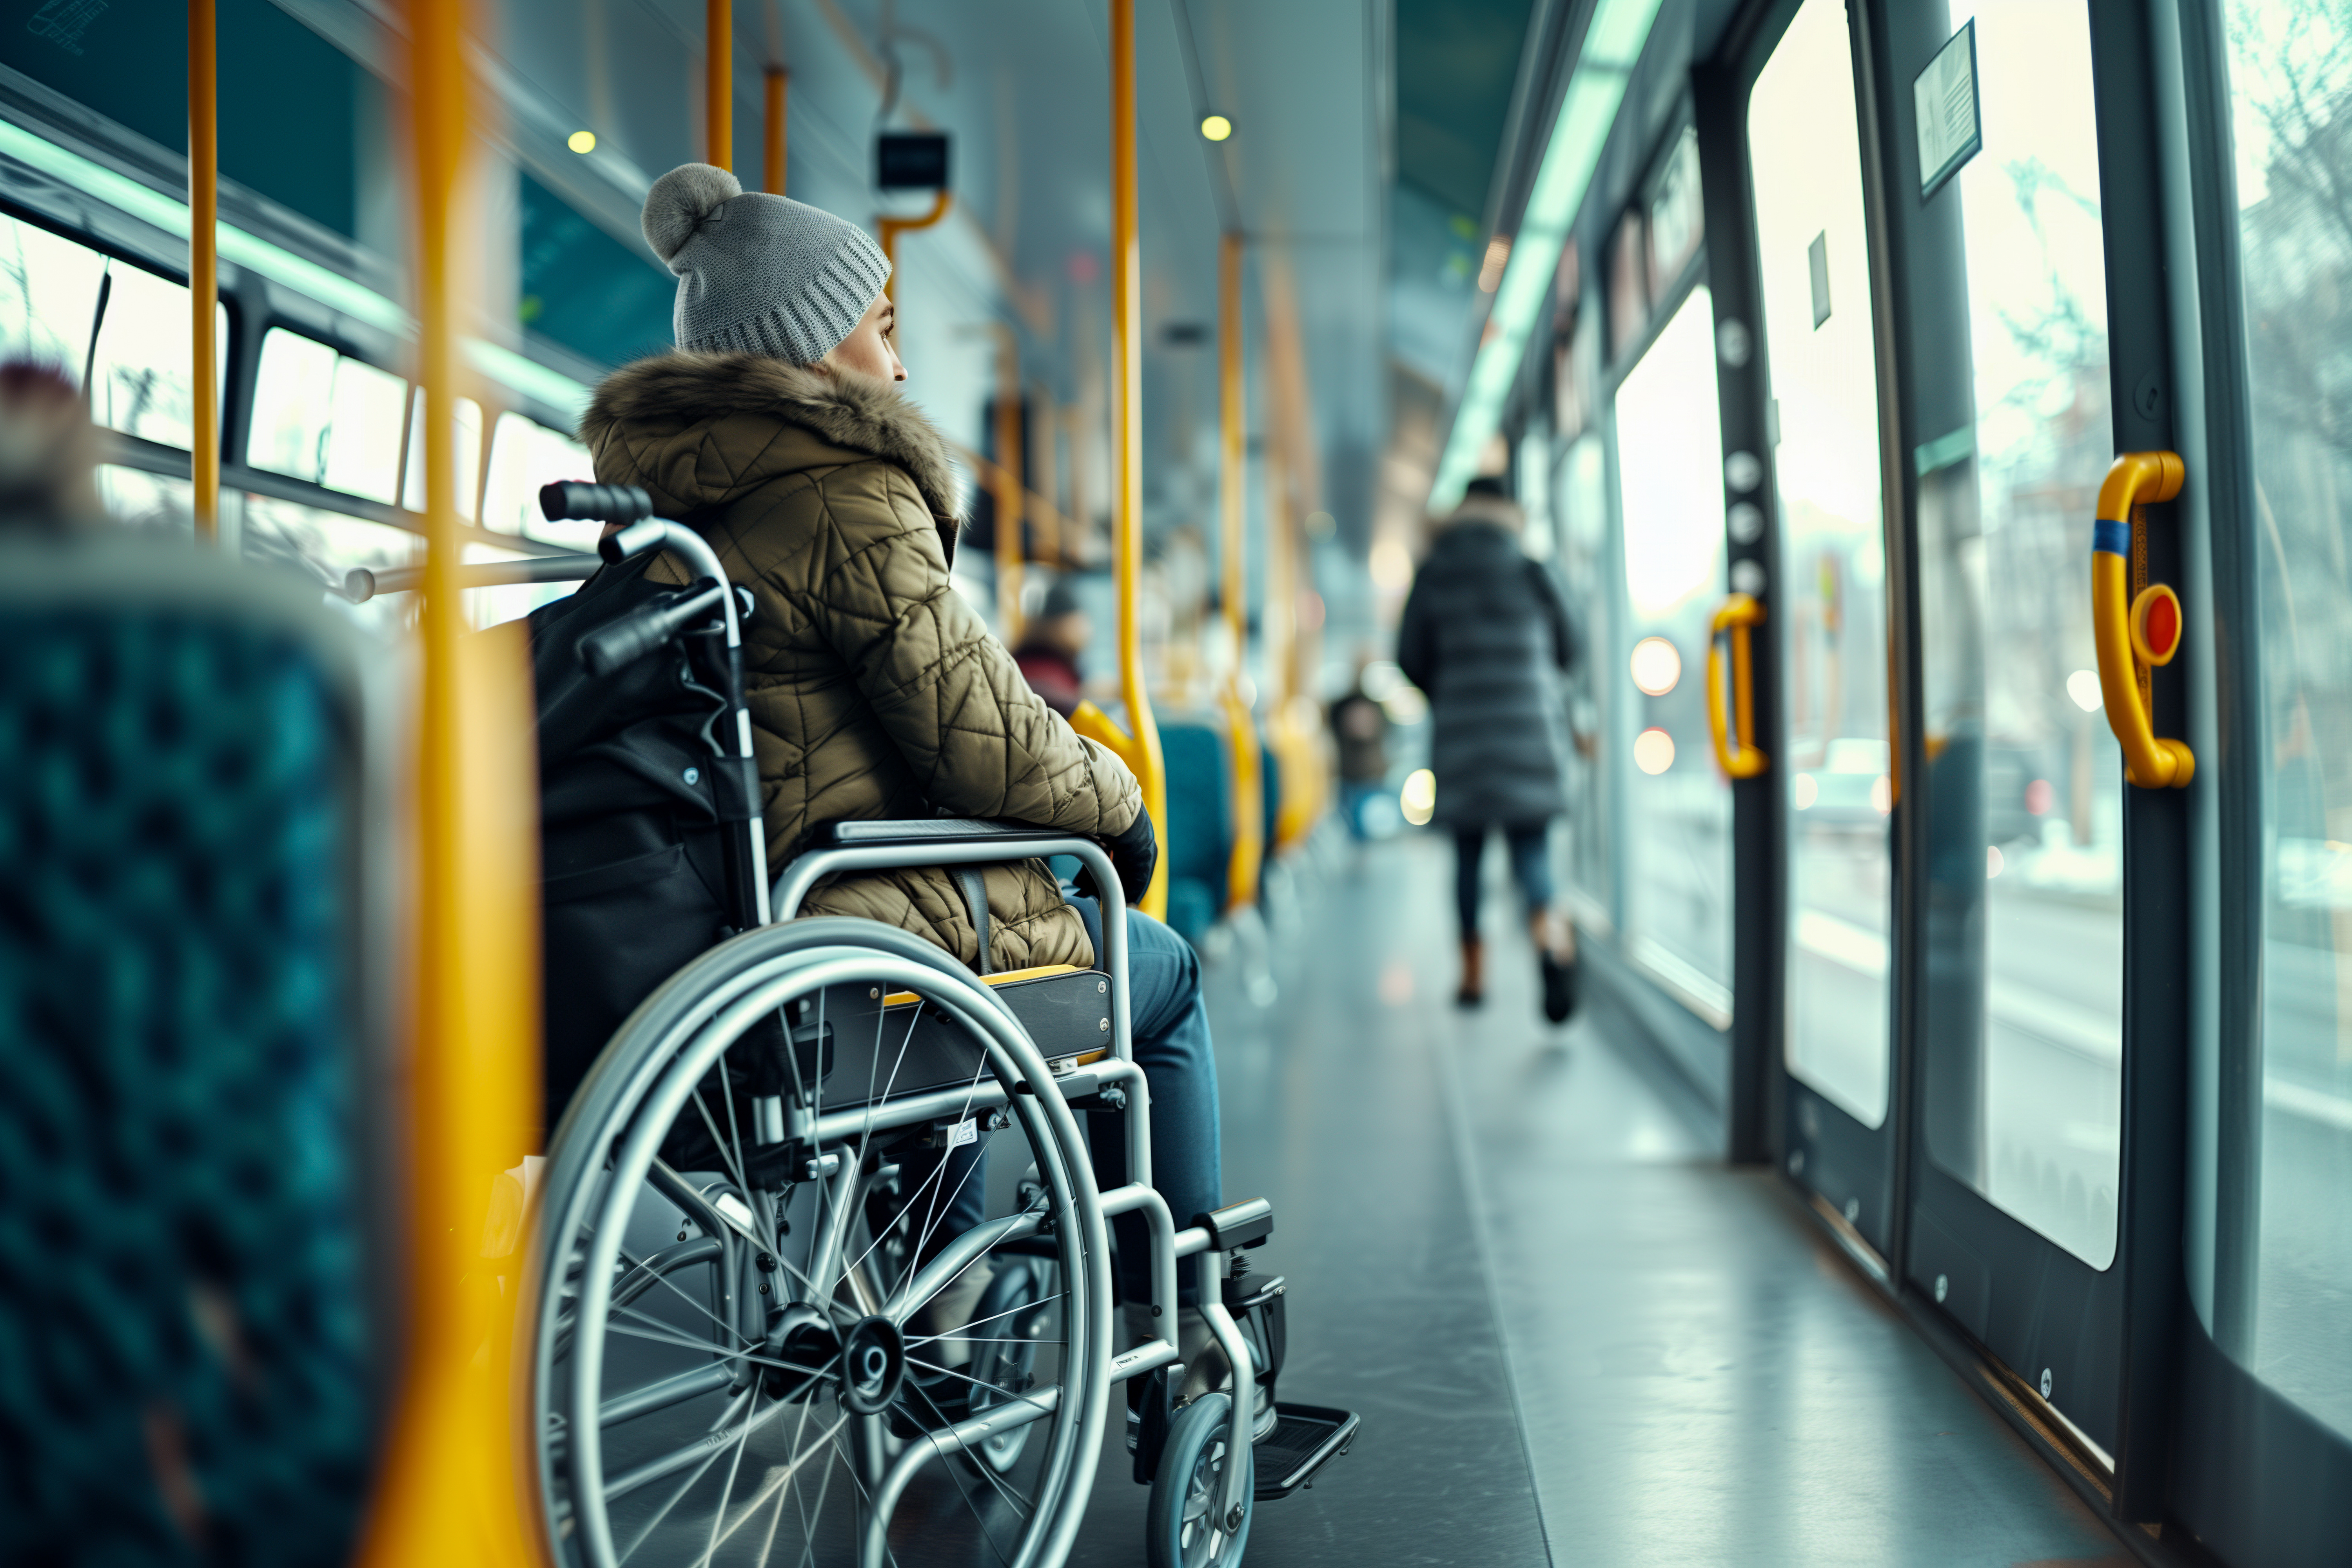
pixel 643 797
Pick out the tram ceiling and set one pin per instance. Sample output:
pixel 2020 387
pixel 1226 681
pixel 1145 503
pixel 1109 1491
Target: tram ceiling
pixel 1018 84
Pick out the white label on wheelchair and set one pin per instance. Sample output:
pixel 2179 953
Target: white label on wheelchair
pixel 963 1132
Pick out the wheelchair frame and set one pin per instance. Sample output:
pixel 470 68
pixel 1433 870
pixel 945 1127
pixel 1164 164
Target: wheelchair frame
pixel 872 846
pixel 980 844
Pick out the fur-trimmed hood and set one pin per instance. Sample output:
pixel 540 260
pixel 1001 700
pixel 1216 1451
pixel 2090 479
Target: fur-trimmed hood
pixel 669 395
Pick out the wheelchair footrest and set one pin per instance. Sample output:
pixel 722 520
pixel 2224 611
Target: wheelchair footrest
pixel 1304 1439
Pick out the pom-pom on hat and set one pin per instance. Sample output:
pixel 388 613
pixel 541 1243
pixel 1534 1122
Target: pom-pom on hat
pixel 756 273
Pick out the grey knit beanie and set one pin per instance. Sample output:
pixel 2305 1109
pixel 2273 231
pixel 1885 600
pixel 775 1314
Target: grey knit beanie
pixel 756 273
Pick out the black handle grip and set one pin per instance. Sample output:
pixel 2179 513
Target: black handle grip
pixel 631 638
pixel 568 500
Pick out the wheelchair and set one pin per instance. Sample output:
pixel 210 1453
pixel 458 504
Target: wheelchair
pixel 823 1272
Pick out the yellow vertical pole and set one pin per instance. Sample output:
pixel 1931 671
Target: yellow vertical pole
pixel 1006 488
pixel 1127 439
pixel 204 271
pixel 774 121
pixel 719 82
pixel 454 1485
pixel 1233 458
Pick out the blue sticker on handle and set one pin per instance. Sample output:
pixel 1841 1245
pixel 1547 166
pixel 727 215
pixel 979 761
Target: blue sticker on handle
pixel 2112 537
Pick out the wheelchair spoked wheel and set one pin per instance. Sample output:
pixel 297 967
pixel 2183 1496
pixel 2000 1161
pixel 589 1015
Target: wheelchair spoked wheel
pixel 1182 1525
pixel 750 1348
pixel 1017 1313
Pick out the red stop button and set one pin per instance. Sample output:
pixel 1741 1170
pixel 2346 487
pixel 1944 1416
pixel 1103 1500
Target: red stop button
pixel 2155 624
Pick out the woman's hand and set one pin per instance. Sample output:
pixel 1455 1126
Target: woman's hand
pixel 1133 854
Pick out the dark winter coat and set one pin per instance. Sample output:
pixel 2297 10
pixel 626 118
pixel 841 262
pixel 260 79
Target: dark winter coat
pixel 1486 636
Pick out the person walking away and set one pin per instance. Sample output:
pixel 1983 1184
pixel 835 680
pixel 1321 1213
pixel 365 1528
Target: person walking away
pixel 1050 648
pixel 1360 728
pixel 1486 636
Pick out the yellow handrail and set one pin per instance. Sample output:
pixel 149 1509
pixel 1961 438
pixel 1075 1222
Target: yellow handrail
pixel 1127 445
pixel 454 1484
pixel 1241 726
pixel 776 123
pixel 204 270
pixel 2135 632
pixel 1739 613
pixel 892 227
pixel 718 82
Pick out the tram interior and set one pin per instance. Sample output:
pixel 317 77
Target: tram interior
pixel 1852 489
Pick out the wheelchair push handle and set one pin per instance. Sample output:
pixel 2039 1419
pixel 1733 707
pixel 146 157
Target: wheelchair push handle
pixel 628 640
pixel 576 500
pixel 631 541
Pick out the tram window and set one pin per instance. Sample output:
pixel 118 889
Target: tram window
pixel 1677 881
pixel 2023 1080
pixel 1582 507
pixel 469 456
pixel 326 417
pixel 48 295
pixel 141 374
pixel 525 455
pixel 1805 150
pixel 327 544
pixel 2293 110
pixel 138 500
pixel 508 602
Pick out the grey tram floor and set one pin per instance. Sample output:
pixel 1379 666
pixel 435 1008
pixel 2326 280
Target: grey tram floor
pixel 1575 1336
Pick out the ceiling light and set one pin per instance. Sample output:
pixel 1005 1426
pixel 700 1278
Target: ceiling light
pixel 581 142
pixel 1613 46
pixel 1216 128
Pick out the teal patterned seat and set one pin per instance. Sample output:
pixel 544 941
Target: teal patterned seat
pixel 185 1365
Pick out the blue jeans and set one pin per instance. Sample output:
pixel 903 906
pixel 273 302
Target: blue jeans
pixel 1530 848
pixel 1170 1025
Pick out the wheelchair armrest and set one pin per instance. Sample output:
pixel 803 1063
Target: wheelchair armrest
pixel 922 832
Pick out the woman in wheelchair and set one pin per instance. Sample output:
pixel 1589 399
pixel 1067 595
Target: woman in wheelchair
pixel 842 1164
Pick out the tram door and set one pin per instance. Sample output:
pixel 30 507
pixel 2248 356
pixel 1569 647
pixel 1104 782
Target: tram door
pixel 2020 840
pixel 1932 233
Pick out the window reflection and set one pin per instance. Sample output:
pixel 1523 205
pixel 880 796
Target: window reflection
pixel 469 453
pixel 2023 791
pixel 150 503
pixel 48 295
pixel 1813 262
pixel 326 417
pixel 524 456
pixel 2291 72
pixel 1584 558
pixel 1679 818
pixel 145 344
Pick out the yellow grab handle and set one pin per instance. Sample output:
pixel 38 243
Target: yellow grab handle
pixel 1098 726
pixel 1739 613
pixel 2131 632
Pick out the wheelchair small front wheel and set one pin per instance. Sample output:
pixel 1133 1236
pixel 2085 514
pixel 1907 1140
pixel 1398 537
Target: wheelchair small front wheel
pixel 1182 1526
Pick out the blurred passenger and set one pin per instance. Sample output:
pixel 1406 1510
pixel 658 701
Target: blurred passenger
pixel 1360 728
pixel 875 689
pixel 1050 648
pixel 49 453
pixel 1486 636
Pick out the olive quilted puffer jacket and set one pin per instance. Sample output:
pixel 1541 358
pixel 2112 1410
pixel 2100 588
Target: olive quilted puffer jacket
pixel 875 690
